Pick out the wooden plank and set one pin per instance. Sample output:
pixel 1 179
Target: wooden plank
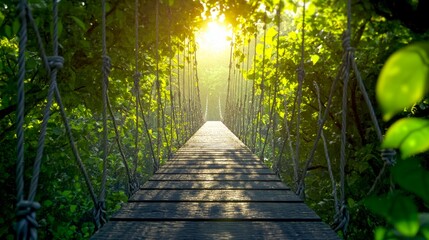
pixel 133 230
pixel 214 161
pixel 232 185
pixel 216 177
pixel 175 165
pixel 216 195
pixel 215 188
pixel 230 211
pixel 214 171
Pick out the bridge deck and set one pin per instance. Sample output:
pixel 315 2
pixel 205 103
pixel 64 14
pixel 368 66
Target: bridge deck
pixel 215 188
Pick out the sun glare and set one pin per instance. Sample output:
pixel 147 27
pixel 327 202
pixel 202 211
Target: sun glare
pixel 214 37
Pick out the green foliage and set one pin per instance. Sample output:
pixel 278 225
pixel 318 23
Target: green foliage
pixel 409 135
pixel 403 83
pixel 66 211
pixel 403 79
pixel 399 211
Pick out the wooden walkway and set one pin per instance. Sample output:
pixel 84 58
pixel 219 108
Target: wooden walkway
pixel 215 188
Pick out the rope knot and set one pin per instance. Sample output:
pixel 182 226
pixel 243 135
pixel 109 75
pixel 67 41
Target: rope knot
pixel 22 7
pixel 27 223
pixel 389 156
pixel 341 219
pixel 56 62
pixel 347 41
pixel 106 64
pixel 137 75
pixel 133 186
pixel 301 73
pixel 100 214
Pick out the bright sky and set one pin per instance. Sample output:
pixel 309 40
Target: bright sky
pixel 214 37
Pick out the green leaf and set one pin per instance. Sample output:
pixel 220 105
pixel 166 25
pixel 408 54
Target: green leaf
pixel 79 22
pixel 410 175
pixel 402 81
pixel 47 203
pixel 409 135
pixel 315 58
pixel 73 208
pixel 1 18
pixel 400 211
pixel 380 233
pixel 16 26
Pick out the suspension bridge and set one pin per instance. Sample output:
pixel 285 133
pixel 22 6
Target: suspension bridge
pixel 214 185
pixel 215 188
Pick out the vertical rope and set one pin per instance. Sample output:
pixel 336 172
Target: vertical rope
pixel 21 100
pixel 262 87
pixel 100 214
pixel 26 210
pixel 158 92
pixel 179 94
pixel 55 62
pixel 197 89
pixel 325 147
pixel 301 75
pixel 253 131
pixel 277 78
pixel 137 76
pixel 247 116
pixel 228 91
pixel 342 217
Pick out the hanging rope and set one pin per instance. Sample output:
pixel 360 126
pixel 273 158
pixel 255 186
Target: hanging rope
pixel 100 216
pixel 228 91
pixel 173 122
pixel 325 148
pixel 26 216
pixel 134 184
pixel 301 76
pixel 277 77
pixel 252 113
pixel 158 90
pixel 262 87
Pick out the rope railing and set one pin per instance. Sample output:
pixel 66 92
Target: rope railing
pixel 26 226
pixel 244 111
pixel 260 135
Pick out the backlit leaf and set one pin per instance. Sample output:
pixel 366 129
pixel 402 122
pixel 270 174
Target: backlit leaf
pixel 409 135
pixel 410 175
pixel 315 58
pixel 400 211
pixel 402 81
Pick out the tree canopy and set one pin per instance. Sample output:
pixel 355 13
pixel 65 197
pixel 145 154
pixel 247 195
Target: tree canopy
pixel 270 87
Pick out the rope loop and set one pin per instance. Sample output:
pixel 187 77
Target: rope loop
pixel 389 156
pixel 133 186
pixel 346 38
pixel 22 7
pixel 55 62
pixel 100 214
pixel 106 64
pixel 301 190
pixel 27 223
pixel 301 73
pixel 137 75
pixel 341 219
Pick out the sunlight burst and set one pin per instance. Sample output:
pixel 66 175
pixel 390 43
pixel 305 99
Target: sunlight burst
pixel 214 37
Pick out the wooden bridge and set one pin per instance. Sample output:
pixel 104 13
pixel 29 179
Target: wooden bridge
pixel 215 188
